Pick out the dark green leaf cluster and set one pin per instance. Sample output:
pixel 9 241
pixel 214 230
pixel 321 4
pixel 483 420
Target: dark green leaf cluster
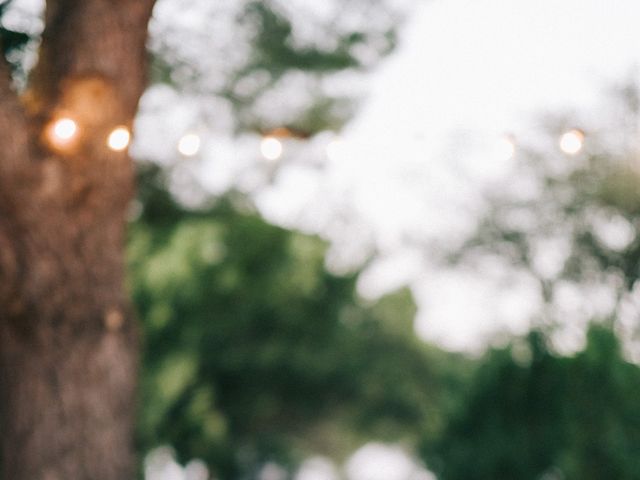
pixel 530 414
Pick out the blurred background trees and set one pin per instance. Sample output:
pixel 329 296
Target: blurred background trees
pixel 256 355
pixel 297 365
pixel 536 408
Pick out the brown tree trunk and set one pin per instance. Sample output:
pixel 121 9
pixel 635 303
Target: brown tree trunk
pixel 68 343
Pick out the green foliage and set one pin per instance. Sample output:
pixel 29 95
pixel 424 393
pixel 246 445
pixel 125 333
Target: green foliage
pixel 619 190
pixel 254 353
pixel 275 51
pixel 530 414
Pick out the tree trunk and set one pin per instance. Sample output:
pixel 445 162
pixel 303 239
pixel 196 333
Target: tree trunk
pixel 68 343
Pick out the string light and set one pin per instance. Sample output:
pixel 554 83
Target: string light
pixel 271 148
pixel 189 145
pixel 571 142
pixel 65 129
pixel 61 133
pixel 119 139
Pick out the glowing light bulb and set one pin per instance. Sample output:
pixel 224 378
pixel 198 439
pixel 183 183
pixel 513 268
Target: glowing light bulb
pixel 271 148
pixel 61 134
pixel 189 145
pixel 571 142
pixel 119 139
pixel 64 129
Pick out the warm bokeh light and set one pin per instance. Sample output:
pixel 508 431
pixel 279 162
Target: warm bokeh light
pixel 119 139
pixel 64 129
pixel 271 148
pixel 571 142
pixel 61 134
pixel 189 144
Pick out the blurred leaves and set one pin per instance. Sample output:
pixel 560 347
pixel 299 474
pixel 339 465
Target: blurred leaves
pixel 527 416
pixel 255 353
pixel 263 55
pixel 275 51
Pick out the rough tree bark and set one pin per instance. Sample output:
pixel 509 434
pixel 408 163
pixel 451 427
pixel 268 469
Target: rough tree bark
pixel 68 346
